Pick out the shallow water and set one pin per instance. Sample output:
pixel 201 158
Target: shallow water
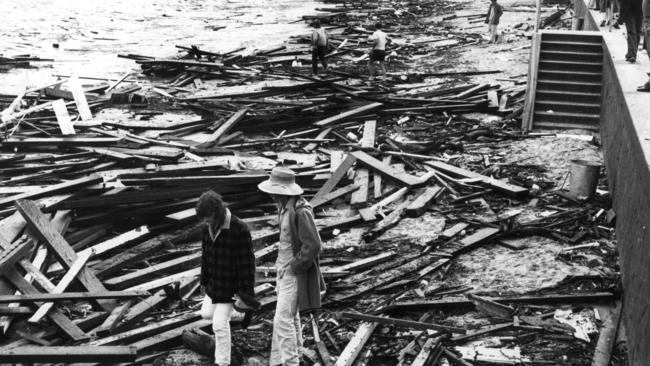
pixel 90 33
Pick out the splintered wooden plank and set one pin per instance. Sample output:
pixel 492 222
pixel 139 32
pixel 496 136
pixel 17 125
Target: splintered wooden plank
pixel 386 170
pixel 498 185
pixel 403 323
pixel 129 256
pixel 368 214
pixel 166 280
pixel 230 123
pixel 607 338
pixel 63 284
pixel 135 277
pixel 138 311
pixel 53 189
pixel 347 114
pixel 454 230
pixel 56 315
pixel 113 319
pixel 169 338
pixel 336 177
pixel 478 237
pixel 321 135
pixel 67 354
pixel 425 352
pixel 355 346
pixel 66 296
pixel 334 195
pixel 362 177
pixel 147 330
pixel 422 202
pixel 366 262
pixel 64 253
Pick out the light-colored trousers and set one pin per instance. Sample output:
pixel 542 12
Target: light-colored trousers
pixel 286 343
pixel 220 315
pixel 493 32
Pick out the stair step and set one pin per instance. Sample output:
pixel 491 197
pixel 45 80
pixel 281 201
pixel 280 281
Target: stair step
pixel 571 65
pixel 569 76
pixel 567 125
pixel 572 46
pixel 564 103
pixel 570 56
pixel 569 73
pixel 563 95
pixel 572 37
pixel 572 43
pixel 551 116
pixel 542 105
pixel 578 86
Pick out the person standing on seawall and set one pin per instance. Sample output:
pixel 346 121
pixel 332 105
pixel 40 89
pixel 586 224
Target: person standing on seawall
pixel 299 281
pixel 227 270
pixel 645 5
pixel 631 14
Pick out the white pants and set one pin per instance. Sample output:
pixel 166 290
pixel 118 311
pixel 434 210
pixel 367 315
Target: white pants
pixel 287 331
pixel 493 32
pixel 220 315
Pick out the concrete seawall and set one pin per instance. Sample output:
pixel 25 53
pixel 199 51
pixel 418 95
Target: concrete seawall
pixel 625 132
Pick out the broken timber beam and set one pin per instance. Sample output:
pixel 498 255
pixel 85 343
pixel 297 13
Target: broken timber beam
pixel 228 124
pixel 588 298
pixel 362 176
pixel 334 195
pixel 422 202
pixel 37 297
pixel 386 170
pixel 498 185
pixel 607 338
pixel 403 323
pixel 57 245
pixel 347 114
pixel 67 354
pixel 336 177
pixel 355 346
pixel 53 189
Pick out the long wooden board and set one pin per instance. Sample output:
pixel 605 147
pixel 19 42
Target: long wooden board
pixel 498 185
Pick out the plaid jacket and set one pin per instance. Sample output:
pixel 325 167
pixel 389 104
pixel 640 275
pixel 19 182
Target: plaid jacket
pixel 228 263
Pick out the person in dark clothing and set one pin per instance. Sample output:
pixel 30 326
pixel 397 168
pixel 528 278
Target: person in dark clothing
pixel 492 19
pixel 319 43
pixel 645 5
pixel 631 14
pixel 227 270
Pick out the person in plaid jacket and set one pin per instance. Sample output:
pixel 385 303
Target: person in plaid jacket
pixel 227 270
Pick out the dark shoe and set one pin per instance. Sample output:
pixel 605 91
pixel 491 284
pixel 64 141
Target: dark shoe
pixel 631 60
pixel 644 88
pixel 602 24
pixel 616 26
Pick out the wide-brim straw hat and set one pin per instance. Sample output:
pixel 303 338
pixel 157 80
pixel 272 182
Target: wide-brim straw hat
pixel 282 181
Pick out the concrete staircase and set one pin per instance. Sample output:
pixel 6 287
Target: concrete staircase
pixel 565 81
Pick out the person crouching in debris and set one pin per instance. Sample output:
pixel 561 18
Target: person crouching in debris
pixel 299 280
pixel 379 41
pixel 319 43
pixel 227 270
pixel 492 19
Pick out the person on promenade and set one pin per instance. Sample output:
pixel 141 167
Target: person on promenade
pixel 227 270
pixel 379 41
pixel 319 44
pixel 631 14
pixel 645 5
pixel 299 282
pixel 492 19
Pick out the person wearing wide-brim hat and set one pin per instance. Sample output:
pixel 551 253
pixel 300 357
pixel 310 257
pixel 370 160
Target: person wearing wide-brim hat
pixel 299 280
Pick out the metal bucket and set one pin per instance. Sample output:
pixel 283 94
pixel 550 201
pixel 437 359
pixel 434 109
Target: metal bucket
pixel 584 178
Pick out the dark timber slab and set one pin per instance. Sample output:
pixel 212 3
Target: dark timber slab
pixel 71 296
pixel 403 323
pixel 53 189
pixel 67 354
pixel 420 204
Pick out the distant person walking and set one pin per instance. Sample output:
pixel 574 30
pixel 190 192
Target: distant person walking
pixel 379 41
pixel 631 14
pixel 319 43
pixel 492 19
pixel 645 5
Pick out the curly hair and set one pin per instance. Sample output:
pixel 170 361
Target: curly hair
pixel 210 203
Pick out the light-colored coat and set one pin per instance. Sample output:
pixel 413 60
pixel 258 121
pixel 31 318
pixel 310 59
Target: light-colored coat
pixel 306 245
